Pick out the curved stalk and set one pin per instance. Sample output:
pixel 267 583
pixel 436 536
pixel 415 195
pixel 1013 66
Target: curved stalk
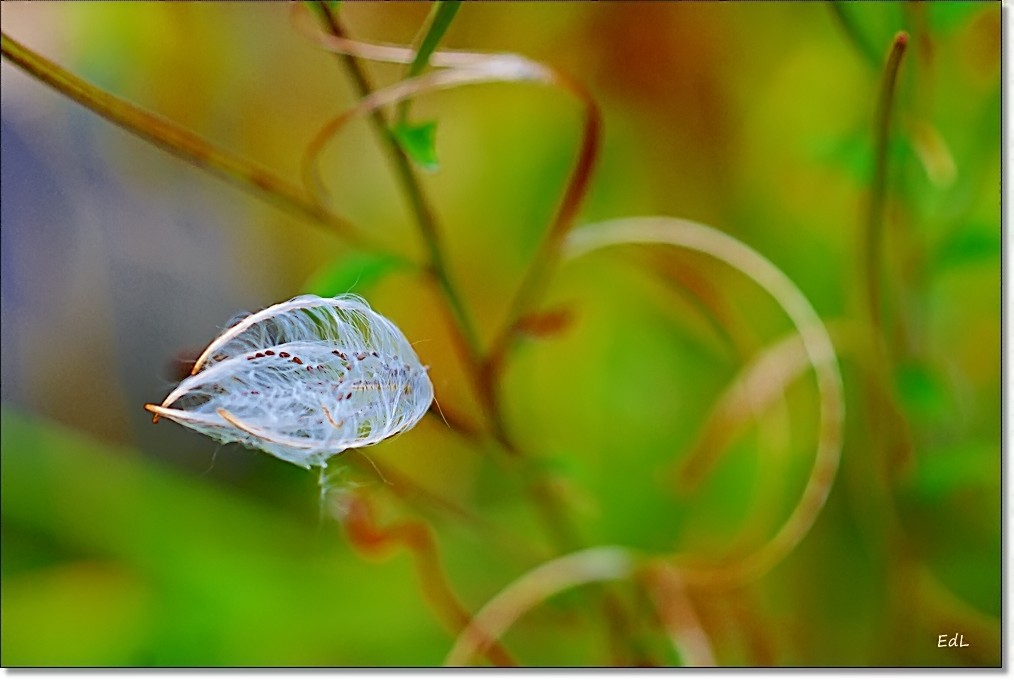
pixel 664 584
pixel 608 563
pixel 816 344
pixel 873 232
pixel 668 592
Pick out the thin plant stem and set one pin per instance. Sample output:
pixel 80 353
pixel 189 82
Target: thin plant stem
pixel 364 532
pixel 180 142
pixel 437 22
pixel 604 563
pixel 468 338
pixel 874 227
pixel 855 34
pixel 757 387
pixel 745 613
pixel 669 594
pixel 886 415
pixel 548 253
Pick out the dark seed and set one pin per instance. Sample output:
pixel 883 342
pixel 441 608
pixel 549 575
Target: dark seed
pixel 297 360
pixel 284 355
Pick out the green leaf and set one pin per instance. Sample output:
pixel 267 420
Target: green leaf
pixel 419 139
pixel 419 142
pixel 437 23
pixel 354 272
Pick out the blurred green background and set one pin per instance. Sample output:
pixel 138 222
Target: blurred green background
pixel 131 544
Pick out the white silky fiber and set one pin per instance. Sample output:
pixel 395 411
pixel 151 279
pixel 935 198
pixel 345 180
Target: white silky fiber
pixel 304 380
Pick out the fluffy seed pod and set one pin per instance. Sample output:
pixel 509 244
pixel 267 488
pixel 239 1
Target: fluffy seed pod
pixel 304 380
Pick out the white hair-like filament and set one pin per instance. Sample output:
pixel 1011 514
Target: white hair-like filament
pixel 304 380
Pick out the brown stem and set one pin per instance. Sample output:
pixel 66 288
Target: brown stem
pixel 369 537
pixel 886 415
pixel 548 254
pixel 178 141
pixel 872 235
pixel 669 594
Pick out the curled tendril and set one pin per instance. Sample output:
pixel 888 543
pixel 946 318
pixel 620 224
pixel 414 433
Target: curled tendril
pixel 668 578
pixel 817 346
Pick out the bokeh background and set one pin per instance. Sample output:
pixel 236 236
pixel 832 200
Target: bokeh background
pixel 126 543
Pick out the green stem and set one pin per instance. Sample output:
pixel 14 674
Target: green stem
pixel 468 338
pixel 178 141
pixel 873 233
pixel 437 23
pixel 887 424
pixel 870 51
